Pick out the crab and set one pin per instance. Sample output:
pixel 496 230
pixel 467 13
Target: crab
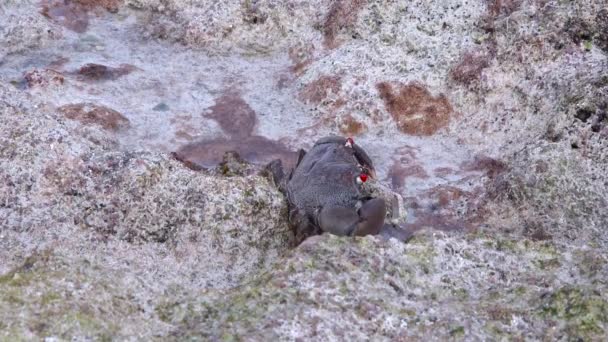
pixel 328 191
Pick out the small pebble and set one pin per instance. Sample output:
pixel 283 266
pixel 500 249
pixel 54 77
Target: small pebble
pixel 161 107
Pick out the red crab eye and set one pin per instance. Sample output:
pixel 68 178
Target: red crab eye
pixel 362 178
pixel 349 142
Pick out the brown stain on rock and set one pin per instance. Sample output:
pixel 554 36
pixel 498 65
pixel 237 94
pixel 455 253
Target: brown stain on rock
pixel 185 131
pixel 88 113
pixel 319 89
pixel 66 175
pixel 405 165
pixel 492 167
pixel 100 72
pixel 444 195
pixel 443 171
pixel 415 110
pixel 237 119
pixel 58 63
pixel 440 208
pixel 470 67
pixel 399 172
pixel 498 8
pixel 254 149
pixel 233 114
pixel 183 134
pixel 74 14
pixel 301 56
pixel 324 92
pixel 342 15
pixel 67 14
pixel 448 206
pixel 43 78
pixel 351 127
pixel 284 80
pixel 109 5
pixel 311 131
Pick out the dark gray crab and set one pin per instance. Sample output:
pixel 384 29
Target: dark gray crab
pixel 326 192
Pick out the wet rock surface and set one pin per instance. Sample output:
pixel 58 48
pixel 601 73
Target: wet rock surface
pixel 125 214
pixel 236 119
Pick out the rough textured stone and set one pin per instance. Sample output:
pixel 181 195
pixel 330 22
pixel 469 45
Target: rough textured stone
pixel 104 235
pixel 436 286
pixel 69 199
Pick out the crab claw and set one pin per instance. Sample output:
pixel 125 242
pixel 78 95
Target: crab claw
pixel 338 220
pixel 371 217
pixel 344 221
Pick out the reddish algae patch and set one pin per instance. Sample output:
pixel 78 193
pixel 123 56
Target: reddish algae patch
pixel 351 127
pixel 301 56
pixel 497 8
pixel 443 171
pixel 43 78
pixel 100 72
pixel 318 90
pixel 254 149
pixel 238 120
pixel 109 5
pixel 415 110
pixel 342 14
pixel 490 166
pixel 399 172
pixel 67 14
pixel 468 70
pixel 88 113
pixel 73 14
pixel 233 114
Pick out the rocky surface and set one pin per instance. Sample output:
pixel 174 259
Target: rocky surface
pixel 489 118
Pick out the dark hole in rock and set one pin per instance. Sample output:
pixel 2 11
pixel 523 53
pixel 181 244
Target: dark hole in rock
pixel 602 29
pixel 552 134
pixel 584 113
pixel 578 30
pixel 599 122
pixel 254 16
pixel 536 231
